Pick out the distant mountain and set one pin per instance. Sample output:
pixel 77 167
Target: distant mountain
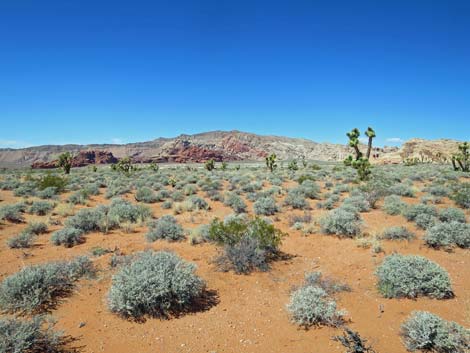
pixel 217 145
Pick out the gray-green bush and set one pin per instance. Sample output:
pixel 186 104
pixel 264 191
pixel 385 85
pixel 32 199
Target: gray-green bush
pixel 410 276
pixel 342 223
pixel 154 284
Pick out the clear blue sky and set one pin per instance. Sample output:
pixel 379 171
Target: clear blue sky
pixel 103 71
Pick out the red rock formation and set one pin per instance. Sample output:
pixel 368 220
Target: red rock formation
pixel 82 159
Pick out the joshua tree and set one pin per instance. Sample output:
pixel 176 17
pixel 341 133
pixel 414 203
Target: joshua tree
pixel 154 166
pixel 210 165
pixel 271 162
pixel 293 165
pixel 65 162
pixel 461 160
pixel 370 133
pixel 360 163
pixel 354 141
pixel 124 166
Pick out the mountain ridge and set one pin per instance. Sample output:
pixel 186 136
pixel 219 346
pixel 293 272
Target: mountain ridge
pixel 221 145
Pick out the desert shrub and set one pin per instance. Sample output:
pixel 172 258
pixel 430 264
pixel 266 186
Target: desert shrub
pixel 68 237
pixel 461 195
pixel 434 200
pixel 165 227
pixel 198 203
pixel 342 223
pixel 13 213
pixel 452 214
pixel 21 241
pixel 189 189
pixel 48 193
pixel 393 205
pixel 265 206
pixel 243 256
pixel 306 217
pixel 357 202
pixel 176 196
pixel 401 190
pixel 328 284
pixel 64 210
pixel 155 284
pixel 38 288
pixel 310 189
pixel 235 202
pixel 145 194
pixel 412 211
pixel 199 234
pixel 411 276
pixel 88 220
pixel 329 203
pixel 296 199
pixel 79 197
pixel 51 180
pixel 122 211
pixel 30 336
pixel 448 234
pixel 248 244
pixel 354 342
pixel 437 190
pixel 26 190
pixel 41 208
pixel 310 305
pixel 425 220
pixel 428 332
pixel 166 205
pixel 397 233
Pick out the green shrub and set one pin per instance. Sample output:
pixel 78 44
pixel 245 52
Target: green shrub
pixel 248 244
pixel 393 205
pixel 342 223
pixel 41 208
pixel 38 288
pixel 68 237
pixel 31 336
pixel 198 203
pixel 425 220
pixel 310 305
pixel 448 234
pixel 167 228
pixel 155 284
pixel 89 220
pixel 427 332
pixel 310 189
pixel 409 276
pixel 397 233
pixel 48 193
pixel 265 206
pixel 51 180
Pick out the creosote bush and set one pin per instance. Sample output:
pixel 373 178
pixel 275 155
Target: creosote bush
pixel 410 276
pixel 424 331
pixel 165 227
pixel 38 288
pixel 156 284
pixel 248 244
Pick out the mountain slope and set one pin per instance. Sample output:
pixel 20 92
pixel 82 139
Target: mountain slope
pixel 218 145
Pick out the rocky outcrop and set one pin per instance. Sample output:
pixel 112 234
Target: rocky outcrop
pixel 217 145
pixel 82 159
